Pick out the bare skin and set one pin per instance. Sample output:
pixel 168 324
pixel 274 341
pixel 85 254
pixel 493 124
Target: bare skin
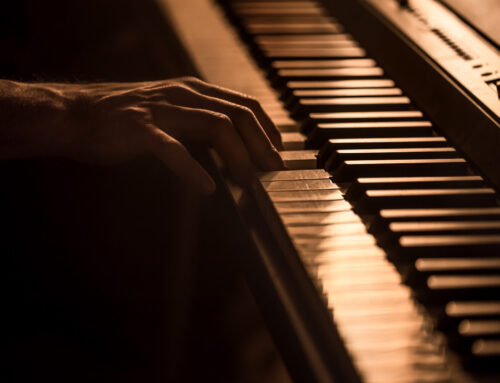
pixel 114 122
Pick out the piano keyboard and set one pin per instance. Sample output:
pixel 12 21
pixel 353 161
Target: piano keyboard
pixel 398 232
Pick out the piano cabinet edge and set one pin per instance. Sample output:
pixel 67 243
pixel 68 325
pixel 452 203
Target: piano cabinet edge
pixel 454 112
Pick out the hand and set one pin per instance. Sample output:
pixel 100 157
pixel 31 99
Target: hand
pixel 113 122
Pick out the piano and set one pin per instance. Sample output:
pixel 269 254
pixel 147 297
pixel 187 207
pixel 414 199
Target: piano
pixel 376 256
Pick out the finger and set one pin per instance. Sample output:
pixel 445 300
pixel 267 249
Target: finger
pixel 241 99
pixel 113 86
pixel 260 147
pixel 178 159
pixel 193 124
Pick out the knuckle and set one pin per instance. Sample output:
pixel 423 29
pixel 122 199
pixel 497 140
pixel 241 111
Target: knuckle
pixel 221 120
pixel 220 124
pixel 190 79
pixel 243 112
pixel 172 93
pixel 252 103
pixel 134 112
pixel 249 101
pixel 178 89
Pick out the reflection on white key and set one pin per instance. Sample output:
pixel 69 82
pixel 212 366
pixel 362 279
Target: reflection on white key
pixel 342 265
pixel 355 313
pixel 346 241
pixel 400 359
pixel 380 322
pixel 310 195
pixel 418 344
pixel 320 219
pixel 346 229
pixel 356 255
pixel 294 175
pixel 337 271
pixel 325 184
pixel 385 281
pixel 313 207
pixel 368 298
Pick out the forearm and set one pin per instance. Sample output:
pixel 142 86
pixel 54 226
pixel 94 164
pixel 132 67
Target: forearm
pixel 33 120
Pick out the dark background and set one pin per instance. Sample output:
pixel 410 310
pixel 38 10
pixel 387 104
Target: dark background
pixel 114 273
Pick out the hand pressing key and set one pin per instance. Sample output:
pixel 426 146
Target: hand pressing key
pixel 113 122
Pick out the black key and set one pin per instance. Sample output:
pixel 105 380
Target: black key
pixel 483 354
pixel 305 106
pixel 437 214
pixel 375 183
pixel 442 288
pixel 372 200
pixel 315 64
pixel 308 40
pixel 277 9
pixel 341 84
pixel 456 311
pixel 312 53
pixel 425 267
pixel 415 246
pixel 291 86
pixel 238 4
pixel 342 73
pixel 398 229
pixel 335 144
pixel 442 214
pixel 394 157
pixel 351 169
pixel 378 116
pixel 348 92
pixel 473 309
pixel 389 154
pixel 463 335
pixel 325 131
pixel 479 328
pixel 272 19
pixel 301 44
pixel 283 76
pixel 342 92
pixel 386 216
pixel 486 348
pixel 291 28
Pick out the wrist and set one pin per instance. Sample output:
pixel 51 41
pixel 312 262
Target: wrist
pixel 35 119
